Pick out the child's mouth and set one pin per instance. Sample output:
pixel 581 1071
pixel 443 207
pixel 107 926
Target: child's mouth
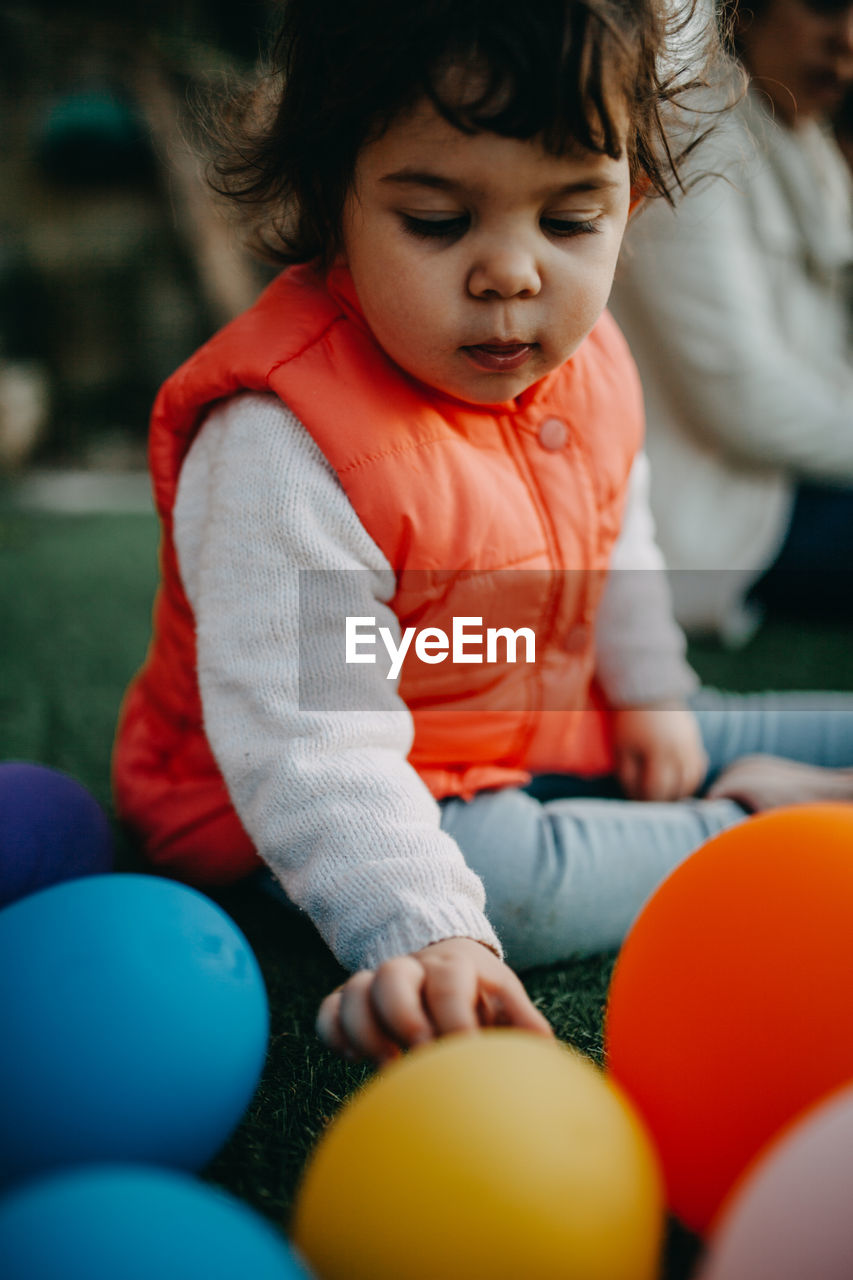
pixel 499 357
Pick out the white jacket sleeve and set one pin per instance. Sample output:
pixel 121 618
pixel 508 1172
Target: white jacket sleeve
pixel 326 794
pixel 640 649
pixel 724 303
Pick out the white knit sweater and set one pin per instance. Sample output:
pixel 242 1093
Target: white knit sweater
pixel 737 308
pixel 328 797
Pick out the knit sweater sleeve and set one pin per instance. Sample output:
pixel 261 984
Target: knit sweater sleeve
pixel 640 648
pixel 736 324
pixel 326 795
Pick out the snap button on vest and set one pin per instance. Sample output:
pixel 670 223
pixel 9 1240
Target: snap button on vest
pixel 553 434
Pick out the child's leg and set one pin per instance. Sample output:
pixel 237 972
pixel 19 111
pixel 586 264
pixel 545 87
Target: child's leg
pixel 815 728
pixel 768 750
pixel 569 876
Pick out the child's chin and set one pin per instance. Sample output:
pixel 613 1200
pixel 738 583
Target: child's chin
pixel 491 388
pixel 502 391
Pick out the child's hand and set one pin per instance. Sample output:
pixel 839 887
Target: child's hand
pixel 761 782
pixel 658 750
pixel 453 985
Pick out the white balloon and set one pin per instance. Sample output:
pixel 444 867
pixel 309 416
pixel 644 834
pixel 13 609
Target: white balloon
pixel 791 1217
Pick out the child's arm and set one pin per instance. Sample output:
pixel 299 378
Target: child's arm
pixel 641 663
pixel 450 986
pixel 325 792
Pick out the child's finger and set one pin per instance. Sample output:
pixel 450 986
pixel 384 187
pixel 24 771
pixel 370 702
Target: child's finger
pixel 662 780
pixel 451 996
pixel 519 1009
pixel 629 770
pixel 396 999
pixel 358 1023
pixel 327 1024
pixel 698 771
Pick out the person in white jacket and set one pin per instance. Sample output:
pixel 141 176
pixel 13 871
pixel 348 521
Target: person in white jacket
pixel 737 306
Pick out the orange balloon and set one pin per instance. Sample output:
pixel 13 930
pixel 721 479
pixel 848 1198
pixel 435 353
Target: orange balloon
pixel 729 1009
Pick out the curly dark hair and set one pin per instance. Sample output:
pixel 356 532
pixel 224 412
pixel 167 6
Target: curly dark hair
pixel 340 71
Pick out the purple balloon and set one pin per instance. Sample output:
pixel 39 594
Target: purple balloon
pixel 791 1217
pixel 51 829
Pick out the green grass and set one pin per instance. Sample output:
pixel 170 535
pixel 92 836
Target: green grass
pixel 76 605
pixel 76 601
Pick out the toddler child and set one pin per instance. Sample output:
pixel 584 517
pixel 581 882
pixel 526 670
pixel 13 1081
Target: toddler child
pixel 428 422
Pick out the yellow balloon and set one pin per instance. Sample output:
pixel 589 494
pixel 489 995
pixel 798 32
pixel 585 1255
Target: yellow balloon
pixel 499 1156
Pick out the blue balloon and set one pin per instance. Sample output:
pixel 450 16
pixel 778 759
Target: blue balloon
pixel 125 1223
pixel 134 1024
pixel 51 829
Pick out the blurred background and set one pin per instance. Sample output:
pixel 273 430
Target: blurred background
pixel 114 261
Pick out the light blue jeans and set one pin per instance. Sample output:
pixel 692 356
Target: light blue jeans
pixel 567 865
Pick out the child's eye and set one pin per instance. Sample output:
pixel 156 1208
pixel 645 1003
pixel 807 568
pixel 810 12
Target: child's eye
pixel 568 227
pixel 435 228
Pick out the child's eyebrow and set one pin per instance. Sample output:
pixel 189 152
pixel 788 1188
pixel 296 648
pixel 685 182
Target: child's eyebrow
pixel 421 178
pixel 424 178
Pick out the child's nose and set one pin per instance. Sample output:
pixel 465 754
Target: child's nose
pixel 504 272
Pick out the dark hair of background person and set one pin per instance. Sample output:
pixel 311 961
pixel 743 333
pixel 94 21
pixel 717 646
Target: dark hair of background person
pixel 736 15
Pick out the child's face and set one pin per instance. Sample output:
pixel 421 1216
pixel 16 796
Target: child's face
pixel 481 262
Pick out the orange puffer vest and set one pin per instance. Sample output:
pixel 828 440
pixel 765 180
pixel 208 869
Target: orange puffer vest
pixel 454 494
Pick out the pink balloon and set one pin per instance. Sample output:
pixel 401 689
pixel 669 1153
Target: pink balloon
pixel 791 1217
